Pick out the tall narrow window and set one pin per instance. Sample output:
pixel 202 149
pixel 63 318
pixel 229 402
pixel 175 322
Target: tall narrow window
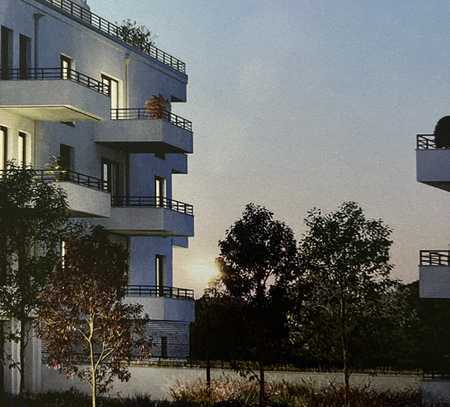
pixel 66 67
pixel 3 147
pixel 111 175
pixel 164 347
pixel 22 149
pixel 159 274
pixel 114 92
pixel 24 55
pixel 6 53
pixel 160 192
pixel 66 157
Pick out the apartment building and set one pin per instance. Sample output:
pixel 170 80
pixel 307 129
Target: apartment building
pixel 433 169
pixel 72 87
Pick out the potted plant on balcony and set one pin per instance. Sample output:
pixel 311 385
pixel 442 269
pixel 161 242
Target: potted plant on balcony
pixel 156 107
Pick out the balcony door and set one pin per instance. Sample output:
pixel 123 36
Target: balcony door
pixel 66 157
pixel 6 52
pixel 159 274
pixel 160 192
pixel 24 56
pixel 114 90
pixel 22 149
pixel 66 66
pixel 3 147
pixel 111 174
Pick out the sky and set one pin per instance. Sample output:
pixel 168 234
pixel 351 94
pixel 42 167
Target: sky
pixel 305 103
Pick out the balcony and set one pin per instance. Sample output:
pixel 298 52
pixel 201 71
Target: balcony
pixel 149 216
pixel 113 31
pixel 178 163
pixel 137 131
pixel 434 274
pixel 86 196
pixel 163 303
pixel 432 163
pixel 53 94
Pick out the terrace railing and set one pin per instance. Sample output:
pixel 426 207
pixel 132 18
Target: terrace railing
pixel 152 202
pixel 159 291
pixel 144 114
pixel 426 142
pixel 114 31
pixel 66 176
pixel 44 74
pixel 434 258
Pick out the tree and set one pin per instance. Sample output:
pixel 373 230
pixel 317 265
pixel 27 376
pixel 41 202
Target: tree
pixel 83 317
pixel 137 35
pixel 258 252
pixel 33 215
pixel 345 259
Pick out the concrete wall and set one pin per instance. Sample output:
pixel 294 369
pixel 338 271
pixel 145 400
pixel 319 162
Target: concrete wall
pixel 167 309
pixel 157 381
pixel 434 282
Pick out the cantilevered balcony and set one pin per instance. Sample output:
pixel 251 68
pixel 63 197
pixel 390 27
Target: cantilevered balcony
pixel 86 196
pixel 53 94
pixel 138 131
pixel 149 215
pixel 434 274
pixel 433 163
pixel 163 303
pixel 113 31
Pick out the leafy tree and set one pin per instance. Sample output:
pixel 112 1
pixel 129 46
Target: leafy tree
pixel 258 252
pixel 345 259
pixel 137 35
pixel 33 215
pixel 83 317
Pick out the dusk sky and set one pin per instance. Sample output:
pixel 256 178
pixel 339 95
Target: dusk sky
pixel 301 103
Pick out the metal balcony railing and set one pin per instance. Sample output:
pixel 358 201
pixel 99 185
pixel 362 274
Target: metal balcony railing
pixel 434 258
pixel 66 176
pixel 425 142
pixel 144 114
pixel 152 202
pixel 159 291
pixel 43 74
pixel 114 31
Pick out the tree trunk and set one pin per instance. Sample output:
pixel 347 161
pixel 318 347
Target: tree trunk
pixel 262 385
pixel 2 358
pixel 344 345
pixel 94 389
pixel 22 356
pixel 208 375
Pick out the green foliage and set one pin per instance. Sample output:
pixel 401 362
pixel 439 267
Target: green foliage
pixel 256 256
pixel 345 263
pixel 33 215
pixel 137 35
pixel 83 317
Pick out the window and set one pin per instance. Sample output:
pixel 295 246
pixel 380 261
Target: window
pixel 3 147
pixel 113 85
pixel 164 347
pixel 66 157
pixel 24 55
pixel 22 150
pixel 111 174
pixel 66 67
pixel 6 53
pixel 160 192
pixel 159 274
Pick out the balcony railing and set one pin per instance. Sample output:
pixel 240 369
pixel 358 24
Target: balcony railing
pixel 426 142
pixel 44 74
pixel 159 291
pixel 152 202
pixel 434 258
pixel 66 176
pixel 144 114
pixel 114 31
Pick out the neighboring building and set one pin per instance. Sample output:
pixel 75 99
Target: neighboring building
pixel 71 88
pixel 433 168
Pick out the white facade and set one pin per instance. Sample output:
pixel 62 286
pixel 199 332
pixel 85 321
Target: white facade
pixel 69 88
